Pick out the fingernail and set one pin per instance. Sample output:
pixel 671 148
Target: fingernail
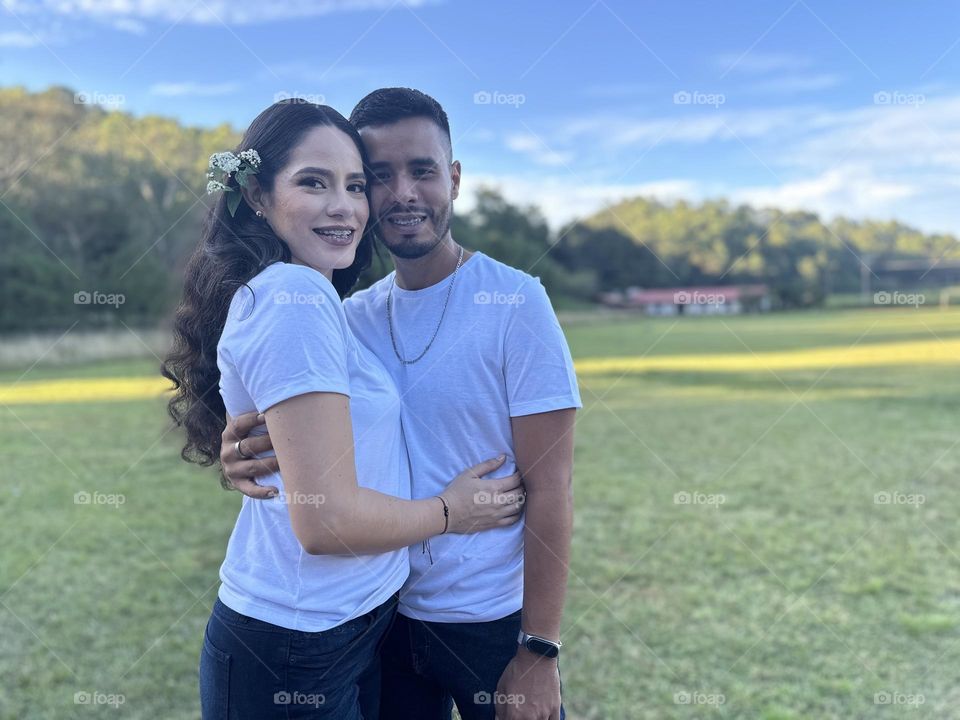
pixel 502 457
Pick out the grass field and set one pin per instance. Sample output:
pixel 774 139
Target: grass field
pixel 766 528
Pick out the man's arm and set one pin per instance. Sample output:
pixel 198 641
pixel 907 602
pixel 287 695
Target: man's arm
pixel 543 444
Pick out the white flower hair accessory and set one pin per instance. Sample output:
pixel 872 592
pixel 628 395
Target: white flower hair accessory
pixel 223 166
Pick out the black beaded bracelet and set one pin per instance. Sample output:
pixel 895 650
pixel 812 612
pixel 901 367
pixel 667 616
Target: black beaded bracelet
pixel 446 515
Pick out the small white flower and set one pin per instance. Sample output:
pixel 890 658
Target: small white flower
pixel 226 161
pixel 213 186
pixel 252 157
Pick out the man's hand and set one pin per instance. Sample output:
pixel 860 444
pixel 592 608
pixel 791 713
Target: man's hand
pixel 240 472
pixel 529 688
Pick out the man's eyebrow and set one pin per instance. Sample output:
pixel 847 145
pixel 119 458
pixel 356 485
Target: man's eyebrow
pixel 423 161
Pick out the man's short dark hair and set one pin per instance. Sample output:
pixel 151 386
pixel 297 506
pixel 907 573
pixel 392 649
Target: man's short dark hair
pixel 389 105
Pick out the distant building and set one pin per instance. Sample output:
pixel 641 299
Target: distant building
pixel 727 300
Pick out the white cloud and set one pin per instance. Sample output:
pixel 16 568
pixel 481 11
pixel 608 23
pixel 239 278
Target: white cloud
pixel 239 12
pixel 18 40
pixel 534 148
pixel 193 89
pixel 561 200
pixel 754 62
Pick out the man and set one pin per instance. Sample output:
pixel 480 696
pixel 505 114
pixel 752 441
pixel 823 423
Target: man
pixel 483 368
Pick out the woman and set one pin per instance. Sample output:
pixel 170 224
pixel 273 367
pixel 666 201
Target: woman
pixel 309 579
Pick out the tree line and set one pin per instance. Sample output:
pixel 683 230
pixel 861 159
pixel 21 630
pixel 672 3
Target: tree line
pixel 100 209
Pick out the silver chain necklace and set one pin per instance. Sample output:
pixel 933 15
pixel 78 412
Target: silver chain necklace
pixel 443 312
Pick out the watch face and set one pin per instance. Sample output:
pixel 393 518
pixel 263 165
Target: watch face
pixel 542 648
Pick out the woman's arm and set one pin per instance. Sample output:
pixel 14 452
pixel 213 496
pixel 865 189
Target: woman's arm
pixel 330 514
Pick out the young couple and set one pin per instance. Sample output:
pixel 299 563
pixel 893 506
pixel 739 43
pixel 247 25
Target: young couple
pixel 359 581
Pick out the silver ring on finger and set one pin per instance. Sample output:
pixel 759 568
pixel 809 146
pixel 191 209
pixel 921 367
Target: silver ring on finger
pixel 239 448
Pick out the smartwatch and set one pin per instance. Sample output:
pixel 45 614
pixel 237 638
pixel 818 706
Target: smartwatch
pixel 539 645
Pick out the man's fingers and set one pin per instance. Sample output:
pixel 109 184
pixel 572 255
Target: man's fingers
pixel 510 484
pixel 257 444
pixel 488 466
pixel 249 488
pixel 255 468
pixel 241 425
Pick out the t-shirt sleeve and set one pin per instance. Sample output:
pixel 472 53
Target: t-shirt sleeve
pixel 539 371
pixel 287 338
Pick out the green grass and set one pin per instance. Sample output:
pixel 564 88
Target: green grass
pixel 798 597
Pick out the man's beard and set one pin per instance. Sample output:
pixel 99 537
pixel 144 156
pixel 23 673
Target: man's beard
pixel 414 248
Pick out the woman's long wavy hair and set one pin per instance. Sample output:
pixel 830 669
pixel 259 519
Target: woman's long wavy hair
pixel 231 252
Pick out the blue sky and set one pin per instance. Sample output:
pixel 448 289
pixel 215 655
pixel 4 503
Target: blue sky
pixel 846 108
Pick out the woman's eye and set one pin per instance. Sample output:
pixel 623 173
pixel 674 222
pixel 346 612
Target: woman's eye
pixel 314 183
pixel 357 188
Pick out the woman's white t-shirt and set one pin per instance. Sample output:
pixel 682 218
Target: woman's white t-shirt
pixel 286 335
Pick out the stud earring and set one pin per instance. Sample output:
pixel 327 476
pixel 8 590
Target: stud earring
pixel 259 213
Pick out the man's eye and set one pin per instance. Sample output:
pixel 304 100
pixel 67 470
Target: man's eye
pixel 381 177
pixel 423 172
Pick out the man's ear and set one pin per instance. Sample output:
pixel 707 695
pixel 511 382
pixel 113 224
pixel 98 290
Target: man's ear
pixel 254 195
pixel 455 178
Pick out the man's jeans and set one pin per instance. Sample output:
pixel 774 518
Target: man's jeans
pixel 252 669
pixel 427 666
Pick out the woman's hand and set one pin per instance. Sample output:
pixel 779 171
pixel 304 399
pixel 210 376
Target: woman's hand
pixel 479 504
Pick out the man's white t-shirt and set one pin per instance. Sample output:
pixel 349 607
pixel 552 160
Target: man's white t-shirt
pixel 499 353
pixel 288 337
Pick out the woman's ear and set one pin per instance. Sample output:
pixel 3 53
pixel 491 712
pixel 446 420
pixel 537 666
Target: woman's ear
pixel 254 195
